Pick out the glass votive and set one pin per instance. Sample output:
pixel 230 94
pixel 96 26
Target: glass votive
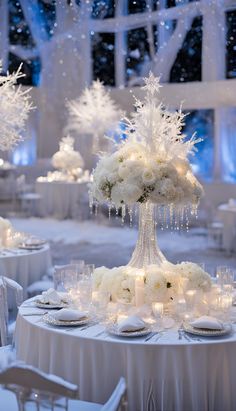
pixel 225 302
pixel 180 307
pixel 158 309
pixel 190 298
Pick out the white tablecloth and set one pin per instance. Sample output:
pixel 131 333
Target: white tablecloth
pixel 62 199
pixel 168 372
pixel 25 266
pixel 227 214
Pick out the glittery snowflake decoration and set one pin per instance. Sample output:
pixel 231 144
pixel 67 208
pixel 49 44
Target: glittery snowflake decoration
pixel 94 112
pixel 156 128
pixel 14 109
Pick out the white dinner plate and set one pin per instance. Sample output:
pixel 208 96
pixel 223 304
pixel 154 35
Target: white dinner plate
pixel 39 304
pixel 113 329
pixel 30 247
pixel 51 320
pixel 206 332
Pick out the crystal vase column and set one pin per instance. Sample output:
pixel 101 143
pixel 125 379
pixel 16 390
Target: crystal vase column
pixel 146 251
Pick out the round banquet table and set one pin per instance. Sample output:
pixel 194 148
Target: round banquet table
pixel 169 372
pixel 227 214
pixel 25 266
pixel 62 199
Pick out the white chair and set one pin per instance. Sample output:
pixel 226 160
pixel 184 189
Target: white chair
pixel 49 392
pixel 5 284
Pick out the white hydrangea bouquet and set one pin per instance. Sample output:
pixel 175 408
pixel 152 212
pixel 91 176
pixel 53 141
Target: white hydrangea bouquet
pixel 67 159
pixel 151 169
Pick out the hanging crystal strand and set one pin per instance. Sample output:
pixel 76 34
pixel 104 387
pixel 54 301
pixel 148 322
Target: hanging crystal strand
pixel 123 213
pixel 181 211
pixel 96 209
pixel 171 211
pixel 187 219
pixel 117 212
pixel 146 251
pixel 130 212
pixel 109 211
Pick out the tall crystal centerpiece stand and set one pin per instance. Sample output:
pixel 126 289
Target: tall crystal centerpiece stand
pixel 146 251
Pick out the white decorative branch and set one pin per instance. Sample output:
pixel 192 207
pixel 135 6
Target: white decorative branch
pixel 14 109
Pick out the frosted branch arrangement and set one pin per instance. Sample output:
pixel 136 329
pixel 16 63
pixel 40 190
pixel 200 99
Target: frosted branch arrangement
pixel 14 109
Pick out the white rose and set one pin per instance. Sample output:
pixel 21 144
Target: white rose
pixel 148 176
pixel 131 193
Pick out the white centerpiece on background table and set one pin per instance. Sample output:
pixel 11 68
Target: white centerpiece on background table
pixel 151 170
pixel 68 164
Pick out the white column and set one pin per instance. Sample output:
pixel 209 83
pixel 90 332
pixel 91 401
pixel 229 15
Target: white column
pixel 213 67
pixel 4 39
pixel 214 40
pixel 120 47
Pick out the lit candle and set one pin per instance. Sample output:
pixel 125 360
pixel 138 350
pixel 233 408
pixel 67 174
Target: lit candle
pixel 139 291
pixel 190 297
pixel 158 309
pixel 225 302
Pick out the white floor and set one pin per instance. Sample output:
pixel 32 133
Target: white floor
pixel 104 244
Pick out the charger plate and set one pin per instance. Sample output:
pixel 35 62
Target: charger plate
pixel 113 329
pixel 206 332
pixel 48 306
pixel 51 320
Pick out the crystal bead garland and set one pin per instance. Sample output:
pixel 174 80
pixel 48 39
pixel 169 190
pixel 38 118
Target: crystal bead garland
pixel 146 251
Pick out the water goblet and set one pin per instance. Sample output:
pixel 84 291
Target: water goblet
pixel 89 270
pixel 79 265
pixel 158 311
pixel 85 292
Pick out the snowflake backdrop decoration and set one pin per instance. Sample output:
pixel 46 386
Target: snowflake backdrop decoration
pixel 14 109
pixel 94 112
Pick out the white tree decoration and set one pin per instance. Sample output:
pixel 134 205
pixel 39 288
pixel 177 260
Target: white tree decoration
pixel 14 109
pixel 94 112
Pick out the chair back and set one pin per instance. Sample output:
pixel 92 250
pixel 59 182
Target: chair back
pixel 3 314
pixel 33 386
pixel 6 283
pixel 17 289
pixel 117 400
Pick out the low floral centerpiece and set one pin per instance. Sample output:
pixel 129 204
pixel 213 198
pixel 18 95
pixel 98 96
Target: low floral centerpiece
pixel 151 169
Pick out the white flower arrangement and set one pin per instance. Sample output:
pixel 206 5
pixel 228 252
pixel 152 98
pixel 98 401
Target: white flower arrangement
pixel 124 178
pixel 162 283
pixel 67 159
pixel 152 164
pixel 197 278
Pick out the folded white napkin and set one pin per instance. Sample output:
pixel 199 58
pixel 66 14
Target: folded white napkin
pixel 50 296
pixel 132 323
pixel 207 322
pixel 67 314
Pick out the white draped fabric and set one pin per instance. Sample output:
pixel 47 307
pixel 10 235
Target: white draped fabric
pixel 25 267
pixel 227 215
pixel 164 373
pixel 62 199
